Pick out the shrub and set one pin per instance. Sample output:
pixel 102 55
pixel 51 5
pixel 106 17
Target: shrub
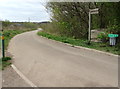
pixel 114 29
pixel 6 59
pixel 103 36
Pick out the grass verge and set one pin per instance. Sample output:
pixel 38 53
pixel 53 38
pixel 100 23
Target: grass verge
pixel 78 42
pixel 8 35
pixel 4 62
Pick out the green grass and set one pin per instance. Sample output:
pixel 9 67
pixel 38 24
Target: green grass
pixel 8 35
pixel 10 30
pixel 4 62
pixel 78 42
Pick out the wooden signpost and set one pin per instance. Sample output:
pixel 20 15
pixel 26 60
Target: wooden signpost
pixel 91 11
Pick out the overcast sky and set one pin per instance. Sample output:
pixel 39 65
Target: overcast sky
pixel 21 10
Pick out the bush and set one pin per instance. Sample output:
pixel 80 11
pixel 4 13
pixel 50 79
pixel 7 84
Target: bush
pixel 103 36
pixel 114 29
pixel 6 23
pixel 30 25
pixel 6 59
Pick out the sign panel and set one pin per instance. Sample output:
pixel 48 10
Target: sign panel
pixel 94 9
pixel 112 35
pixel 96 12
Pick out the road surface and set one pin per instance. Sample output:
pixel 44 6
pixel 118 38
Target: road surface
pixel 11 79
pixel 52 64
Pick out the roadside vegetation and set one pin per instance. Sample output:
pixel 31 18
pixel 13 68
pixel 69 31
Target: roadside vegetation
pixel 69 24
pixel 9 34
pixel 11 29
pixel 78 42
pixel 5 62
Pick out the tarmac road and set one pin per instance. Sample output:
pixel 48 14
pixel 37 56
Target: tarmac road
pixel 52 64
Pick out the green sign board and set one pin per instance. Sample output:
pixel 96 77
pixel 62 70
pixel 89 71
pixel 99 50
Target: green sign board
pixel 112 35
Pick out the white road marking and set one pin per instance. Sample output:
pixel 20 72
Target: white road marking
pixel 23 77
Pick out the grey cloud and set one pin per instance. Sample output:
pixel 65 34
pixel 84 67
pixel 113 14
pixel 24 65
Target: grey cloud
pixel 20 11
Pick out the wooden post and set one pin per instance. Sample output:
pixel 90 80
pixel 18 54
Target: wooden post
pixel 91 11
pixel 89 34
pixel 2 40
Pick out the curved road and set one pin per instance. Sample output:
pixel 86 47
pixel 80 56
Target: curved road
pixel 52 64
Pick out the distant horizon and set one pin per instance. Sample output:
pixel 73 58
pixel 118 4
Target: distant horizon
pixel 27 21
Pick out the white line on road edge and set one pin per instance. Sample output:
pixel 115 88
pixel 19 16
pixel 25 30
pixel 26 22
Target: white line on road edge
pixel 90 49
pixel 23 77
pixel 85 48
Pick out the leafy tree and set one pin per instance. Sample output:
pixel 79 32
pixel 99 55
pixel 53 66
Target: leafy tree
pixel 71 18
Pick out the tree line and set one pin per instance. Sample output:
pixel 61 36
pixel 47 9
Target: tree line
pixel 71 18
